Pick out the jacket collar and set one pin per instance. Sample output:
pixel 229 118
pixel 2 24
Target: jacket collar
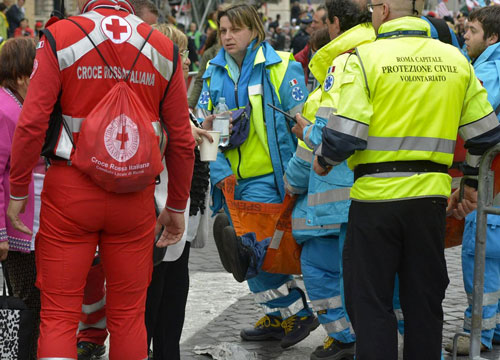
pixel 406 23
pixel 491 53
pixel 263 54
pixel 360 34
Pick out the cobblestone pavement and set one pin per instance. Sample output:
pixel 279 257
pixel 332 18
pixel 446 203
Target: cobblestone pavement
pixel 218 308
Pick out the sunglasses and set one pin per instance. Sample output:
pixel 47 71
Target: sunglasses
pixel 371 6
pixel 184 54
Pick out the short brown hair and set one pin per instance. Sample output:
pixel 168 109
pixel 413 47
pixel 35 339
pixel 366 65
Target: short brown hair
pixel 243 15
pixel 141 5
pixel 17 57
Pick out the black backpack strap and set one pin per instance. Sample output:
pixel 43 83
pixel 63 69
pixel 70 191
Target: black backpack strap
pixel 51 40
pixel 442 29
pixel 497 110
pixel 174 69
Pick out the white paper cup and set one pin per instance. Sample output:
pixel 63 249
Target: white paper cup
pixel 208 150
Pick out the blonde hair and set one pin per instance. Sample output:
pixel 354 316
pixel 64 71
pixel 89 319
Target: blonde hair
pixel 243 15
pixel 174 34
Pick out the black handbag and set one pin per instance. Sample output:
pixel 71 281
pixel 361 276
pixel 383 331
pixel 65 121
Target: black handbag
pixel 16 327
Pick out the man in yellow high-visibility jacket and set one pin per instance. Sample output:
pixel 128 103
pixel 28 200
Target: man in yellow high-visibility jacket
pixel 403 99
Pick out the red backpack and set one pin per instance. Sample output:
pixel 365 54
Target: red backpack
pixel 117 145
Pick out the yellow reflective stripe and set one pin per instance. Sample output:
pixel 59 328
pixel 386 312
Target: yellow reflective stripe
pixel 327 197
pixel 348 126
pixel 255 90
pixel 478 127
pixel 304 154
pixel 326 304
pixel 325 111
pixel 300 224
pixel 278 71
pixel 414 143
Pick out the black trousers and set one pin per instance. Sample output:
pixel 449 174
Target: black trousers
pixel 166 305
pixel 403 237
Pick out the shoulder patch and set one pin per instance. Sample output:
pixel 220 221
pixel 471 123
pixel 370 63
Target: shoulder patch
pixel 297 94
pixel 204 97
pixel 293 82
pixel 40 44
pixel 328 82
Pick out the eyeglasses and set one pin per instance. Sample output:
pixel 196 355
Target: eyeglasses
pixel 371 6
pixel 184 54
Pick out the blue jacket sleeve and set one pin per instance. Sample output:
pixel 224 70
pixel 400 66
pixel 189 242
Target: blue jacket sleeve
pixel 297 175
pixel 293 94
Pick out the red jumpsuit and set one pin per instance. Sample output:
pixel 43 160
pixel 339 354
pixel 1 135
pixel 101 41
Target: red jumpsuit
pixel 76 214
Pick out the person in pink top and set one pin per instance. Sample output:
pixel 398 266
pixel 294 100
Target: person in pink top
pixel 16 248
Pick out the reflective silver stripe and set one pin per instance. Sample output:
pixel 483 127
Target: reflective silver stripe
pixel 325 304
pixel 488 298
pixel 297 109
pixel 411 143
pixel 306 137
pixel 338 326
pixel 68 56
pixel 101 324
pixel 255 90
pixel 472 160
pixel 74 124
pixel 330 196
pixel 301 224
pixel 92 308
pixel 487 324
pixel 455 182
pixel 399 314
pixel 276 240
pixel 304 154
pixel 292 189
pixel 202 113
pixel 271 294
pixel 64 145
pixel 288 311
pixel 160 62
pixel 325 111
pixel 478 127
pixel 157 127
pixel 348 126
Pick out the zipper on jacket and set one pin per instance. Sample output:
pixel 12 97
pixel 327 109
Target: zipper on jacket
pixel 236 96
pixel 239 163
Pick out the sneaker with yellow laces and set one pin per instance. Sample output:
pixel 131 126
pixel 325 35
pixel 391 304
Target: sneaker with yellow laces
pixel 333 349
pixel 267 328
pixel 297 328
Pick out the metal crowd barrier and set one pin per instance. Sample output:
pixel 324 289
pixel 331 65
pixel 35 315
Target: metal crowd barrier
pixel 485 198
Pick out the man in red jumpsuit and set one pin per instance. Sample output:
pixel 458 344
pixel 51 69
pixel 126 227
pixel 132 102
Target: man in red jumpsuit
pixel 76 214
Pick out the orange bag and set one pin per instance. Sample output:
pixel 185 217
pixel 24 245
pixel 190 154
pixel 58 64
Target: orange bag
pixel 264 220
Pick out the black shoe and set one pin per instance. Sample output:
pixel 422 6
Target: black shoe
pixel 221 221
pixel 89 351
pixel 150 354
pixel 267 328
pixel 333 349
pixel 238 254
pixel 297 329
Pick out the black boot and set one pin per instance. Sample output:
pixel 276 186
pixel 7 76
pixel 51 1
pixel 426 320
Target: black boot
pixel 221 221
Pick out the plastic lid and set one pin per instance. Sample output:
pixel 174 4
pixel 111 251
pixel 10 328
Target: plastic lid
pixel 222 100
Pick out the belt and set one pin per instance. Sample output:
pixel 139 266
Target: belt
pixel 417 166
